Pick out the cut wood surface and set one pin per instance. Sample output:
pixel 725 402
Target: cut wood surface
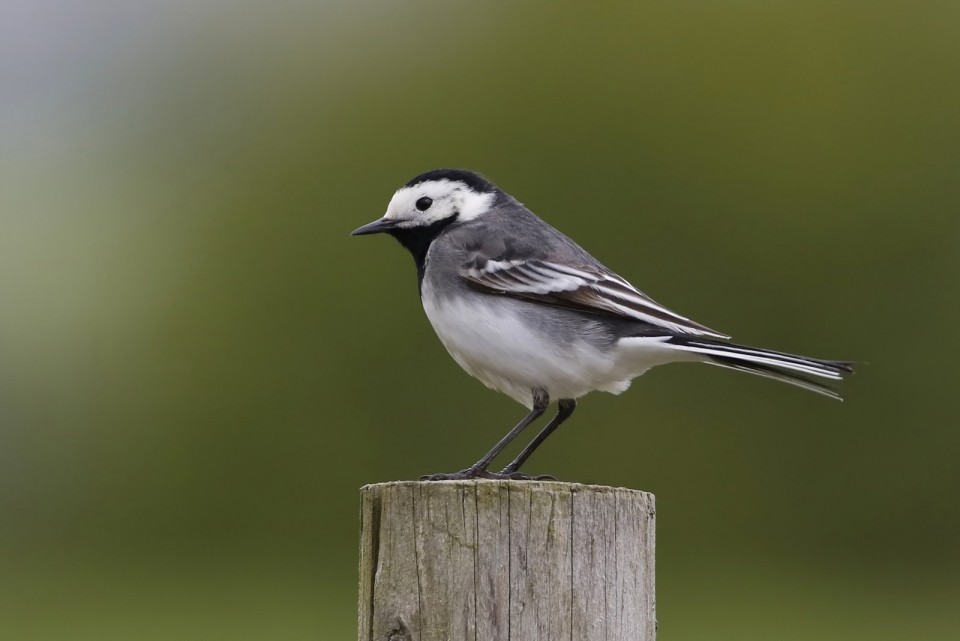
pixel 506 561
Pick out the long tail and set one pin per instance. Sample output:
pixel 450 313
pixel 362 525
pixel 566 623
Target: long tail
pixel 779 366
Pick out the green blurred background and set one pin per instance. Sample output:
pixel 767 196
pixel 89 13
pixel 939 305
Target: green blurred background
pixel 199 367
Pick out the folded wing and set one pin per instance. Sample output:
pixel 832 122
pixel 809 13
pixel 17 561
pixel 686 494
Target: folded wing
pixel 586 288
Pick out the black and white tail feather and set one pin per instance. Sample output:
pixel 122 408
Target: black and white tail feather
pixel 779 366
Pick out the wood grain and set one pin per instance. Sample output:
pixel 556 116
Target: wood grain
pixel 506 561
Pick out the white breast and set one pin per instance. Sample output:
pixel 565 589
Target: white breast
pixel 489 339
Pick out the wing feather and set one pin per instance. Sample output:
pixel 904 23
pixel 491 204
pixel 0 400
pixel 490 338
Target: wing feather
pixel 586 288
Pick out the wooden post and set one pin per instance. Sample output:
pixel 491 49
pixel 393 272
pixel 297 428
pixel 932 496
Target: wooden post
pixel 506 561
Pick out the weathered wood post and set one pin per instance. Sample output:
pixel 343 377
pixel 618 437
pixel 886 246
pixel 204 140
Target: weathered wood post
pixel 506 561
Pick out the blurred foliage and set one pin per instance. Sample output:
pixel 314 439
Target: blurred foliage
pixel 198 367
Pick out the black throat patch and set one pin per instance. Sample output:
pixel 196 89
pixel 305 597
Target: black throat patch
pixel 417 240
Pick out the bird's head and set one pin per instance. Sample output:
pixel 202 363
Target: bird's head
pixel 433 200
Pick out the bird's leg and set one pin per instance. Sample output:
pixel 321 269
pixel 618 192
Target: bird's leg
pixel 565 409
pixel 479 469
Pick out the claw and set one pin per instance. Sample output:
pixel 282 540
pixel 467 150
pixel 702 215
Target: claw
pixel 462 475
pixel 470 473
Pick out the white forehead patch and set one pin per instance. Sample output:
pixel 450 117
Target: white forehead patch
pixel 449 197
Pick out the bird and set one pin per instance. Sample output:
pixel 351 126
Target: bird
pixel 528 312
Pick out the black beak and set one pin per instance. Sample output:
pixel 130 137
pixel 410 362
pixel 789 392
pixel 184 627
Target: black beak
pixel 376 227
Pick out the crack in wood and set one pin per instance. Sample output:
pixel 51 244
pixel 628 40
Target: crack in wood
pixel 534 560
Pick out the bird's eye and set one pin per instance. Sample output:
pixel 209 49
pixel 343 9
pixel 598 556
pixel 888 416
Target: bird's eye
pixel 423 204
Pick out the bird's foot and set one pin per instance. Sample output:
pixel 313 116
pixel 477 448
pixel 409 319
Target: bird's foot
pixel 474 473
pixel 462 475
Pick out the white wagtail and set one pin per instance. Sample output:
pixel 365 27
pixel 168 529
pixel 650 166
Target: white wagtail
pixel 528 312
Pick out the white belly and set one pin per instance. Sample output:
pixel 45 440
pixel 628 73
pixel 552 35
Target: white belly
pixel 491 342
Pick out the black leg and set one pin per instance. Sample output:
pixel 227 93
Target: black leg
pixel 565 409
pixel 479 469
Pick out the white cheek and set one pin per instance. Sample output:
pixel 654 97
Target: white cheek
pixel 468 204
pixel 436 214
pixel 473 204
